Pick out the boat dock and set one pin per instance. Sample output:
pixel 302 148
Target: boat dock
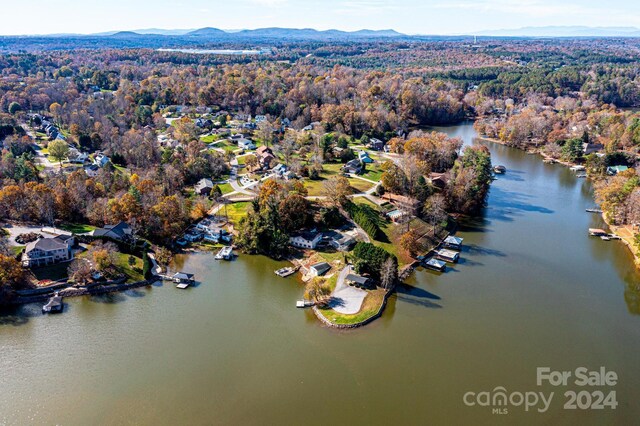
pixel 597 232
pixel 454 243
pixel 54 304
pixel 304 304
pixel 285 272
pixel 447 255
pixel 435 264
pixel 226 253
pixel 598 211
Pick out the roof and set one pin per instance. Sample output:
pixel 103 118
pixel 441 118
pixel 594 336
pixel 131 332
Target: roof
pixel 120 230
pixel 263 149
pixel 307 235
pixel 357 279
pixel 453 240
pixel 321 267
pixel 204 183
pixel 183 276
pixel 46 244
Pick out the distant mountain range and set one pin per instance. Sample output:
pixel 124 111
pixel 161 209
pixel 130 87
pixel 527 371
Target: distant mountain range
pixel 564 31
pixel 210 32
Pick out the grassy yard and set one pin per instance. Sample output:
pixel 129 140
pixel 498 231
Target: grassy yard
pixel 371 305
pixel 16 250
pixel 225 188
pixel 132 272
pixel 209 138
pixel 236 211
pixel 360 185
pixel 373 172
pixel 315 187
pixel 77 228
pixel 53 272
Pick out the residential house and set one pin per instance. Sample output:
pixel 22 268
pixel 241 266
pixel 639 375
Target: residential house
pixel 260 118
pixel 357 280
pixel 363 156
pixel 76 156
pixel 342 242
pixel 305 240
pixel 204 187
pixel 319 269
pixel 246 144
pixel 407 204
pixel 47 251
pixel 203 123
pixel 376 144
pixel 119 232
pixel 100 160
pixel 265 156
pixel 354 166
pixel 590 148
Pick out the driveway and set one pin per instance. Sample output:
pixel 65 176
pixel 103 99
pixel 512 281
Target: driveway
pixel 346 299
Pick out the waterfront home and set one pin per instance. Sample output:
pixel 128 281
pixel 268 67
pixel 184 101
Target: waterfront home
pixel 204 187
pixel 359 281
pixel 319 269
pixel 305 240
pixel 100 160
pixel 342 242
pixel 120 232
pixel 246 144
pixel 354 166
pixel 48 251
pixel 614 170
pixel 403 203
pixel 590 148
pixel 452 242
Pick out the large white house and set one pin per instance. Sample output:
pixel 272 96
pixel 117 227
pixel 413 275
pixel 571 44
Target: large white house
pixel 246 144
pixel 306 240
pixel 47 251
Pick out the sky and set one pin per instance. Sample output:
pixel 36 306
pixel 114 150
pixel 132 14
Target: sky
pixel 407 16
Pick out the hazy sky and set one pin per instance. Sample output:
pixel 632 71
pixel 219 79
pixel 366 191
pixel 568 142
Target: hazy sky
pixel 408 16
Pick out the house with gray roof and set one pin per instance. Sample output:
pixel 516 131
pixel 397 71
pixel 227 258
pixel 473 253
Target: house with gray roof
pixel 47 251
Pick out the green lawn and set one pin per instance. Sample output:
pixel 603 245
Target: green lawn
pixel 373 172
pixel 236 211
pixel 209 138
pixel 77 228
pixel 360 185
pixel 133 273
pixel 16 250
pixel 54 272
pixel 315 187
pixel 225 188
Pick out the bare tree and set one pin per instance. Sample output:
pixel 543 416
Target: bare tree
pixel 388 273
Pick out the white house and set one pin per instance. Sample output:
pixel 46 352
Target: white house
pixel 47 251
pixel 260 118
pixel 92 170
pixel 246 144
pixel 319 269
pixel 101 160
pixel 305 240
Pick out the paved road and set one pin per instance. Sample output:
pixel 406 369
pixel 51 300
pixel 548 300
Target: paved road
pixel 346 299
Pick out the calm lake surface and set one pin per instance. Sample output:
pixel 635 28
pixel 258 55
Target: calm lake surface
pixel 532 290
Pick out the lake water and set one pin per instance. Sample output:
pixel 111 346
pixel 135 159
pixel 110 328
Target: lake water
pixel 532 290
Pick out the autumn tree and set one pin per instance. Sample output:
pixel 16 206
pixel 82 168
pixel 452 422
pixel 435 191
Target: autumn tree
pixel 58 150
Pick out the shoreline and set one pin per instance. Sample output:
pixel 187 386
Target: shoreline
pixel 635 251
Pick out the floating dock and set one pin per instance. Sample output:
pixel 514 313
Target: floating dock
pixel 304 304
pixel 54 305
pixel 226 253
pixel 597 232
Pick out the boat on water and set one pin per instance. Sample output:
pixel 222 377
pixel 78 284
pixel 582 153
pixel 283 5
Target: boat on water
pixel 435 264
pixel 226 253
pixel 499 169
pixel 594 211
pixel 605 237
pixel 285 272
pixel 597 232
pixel 54 305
